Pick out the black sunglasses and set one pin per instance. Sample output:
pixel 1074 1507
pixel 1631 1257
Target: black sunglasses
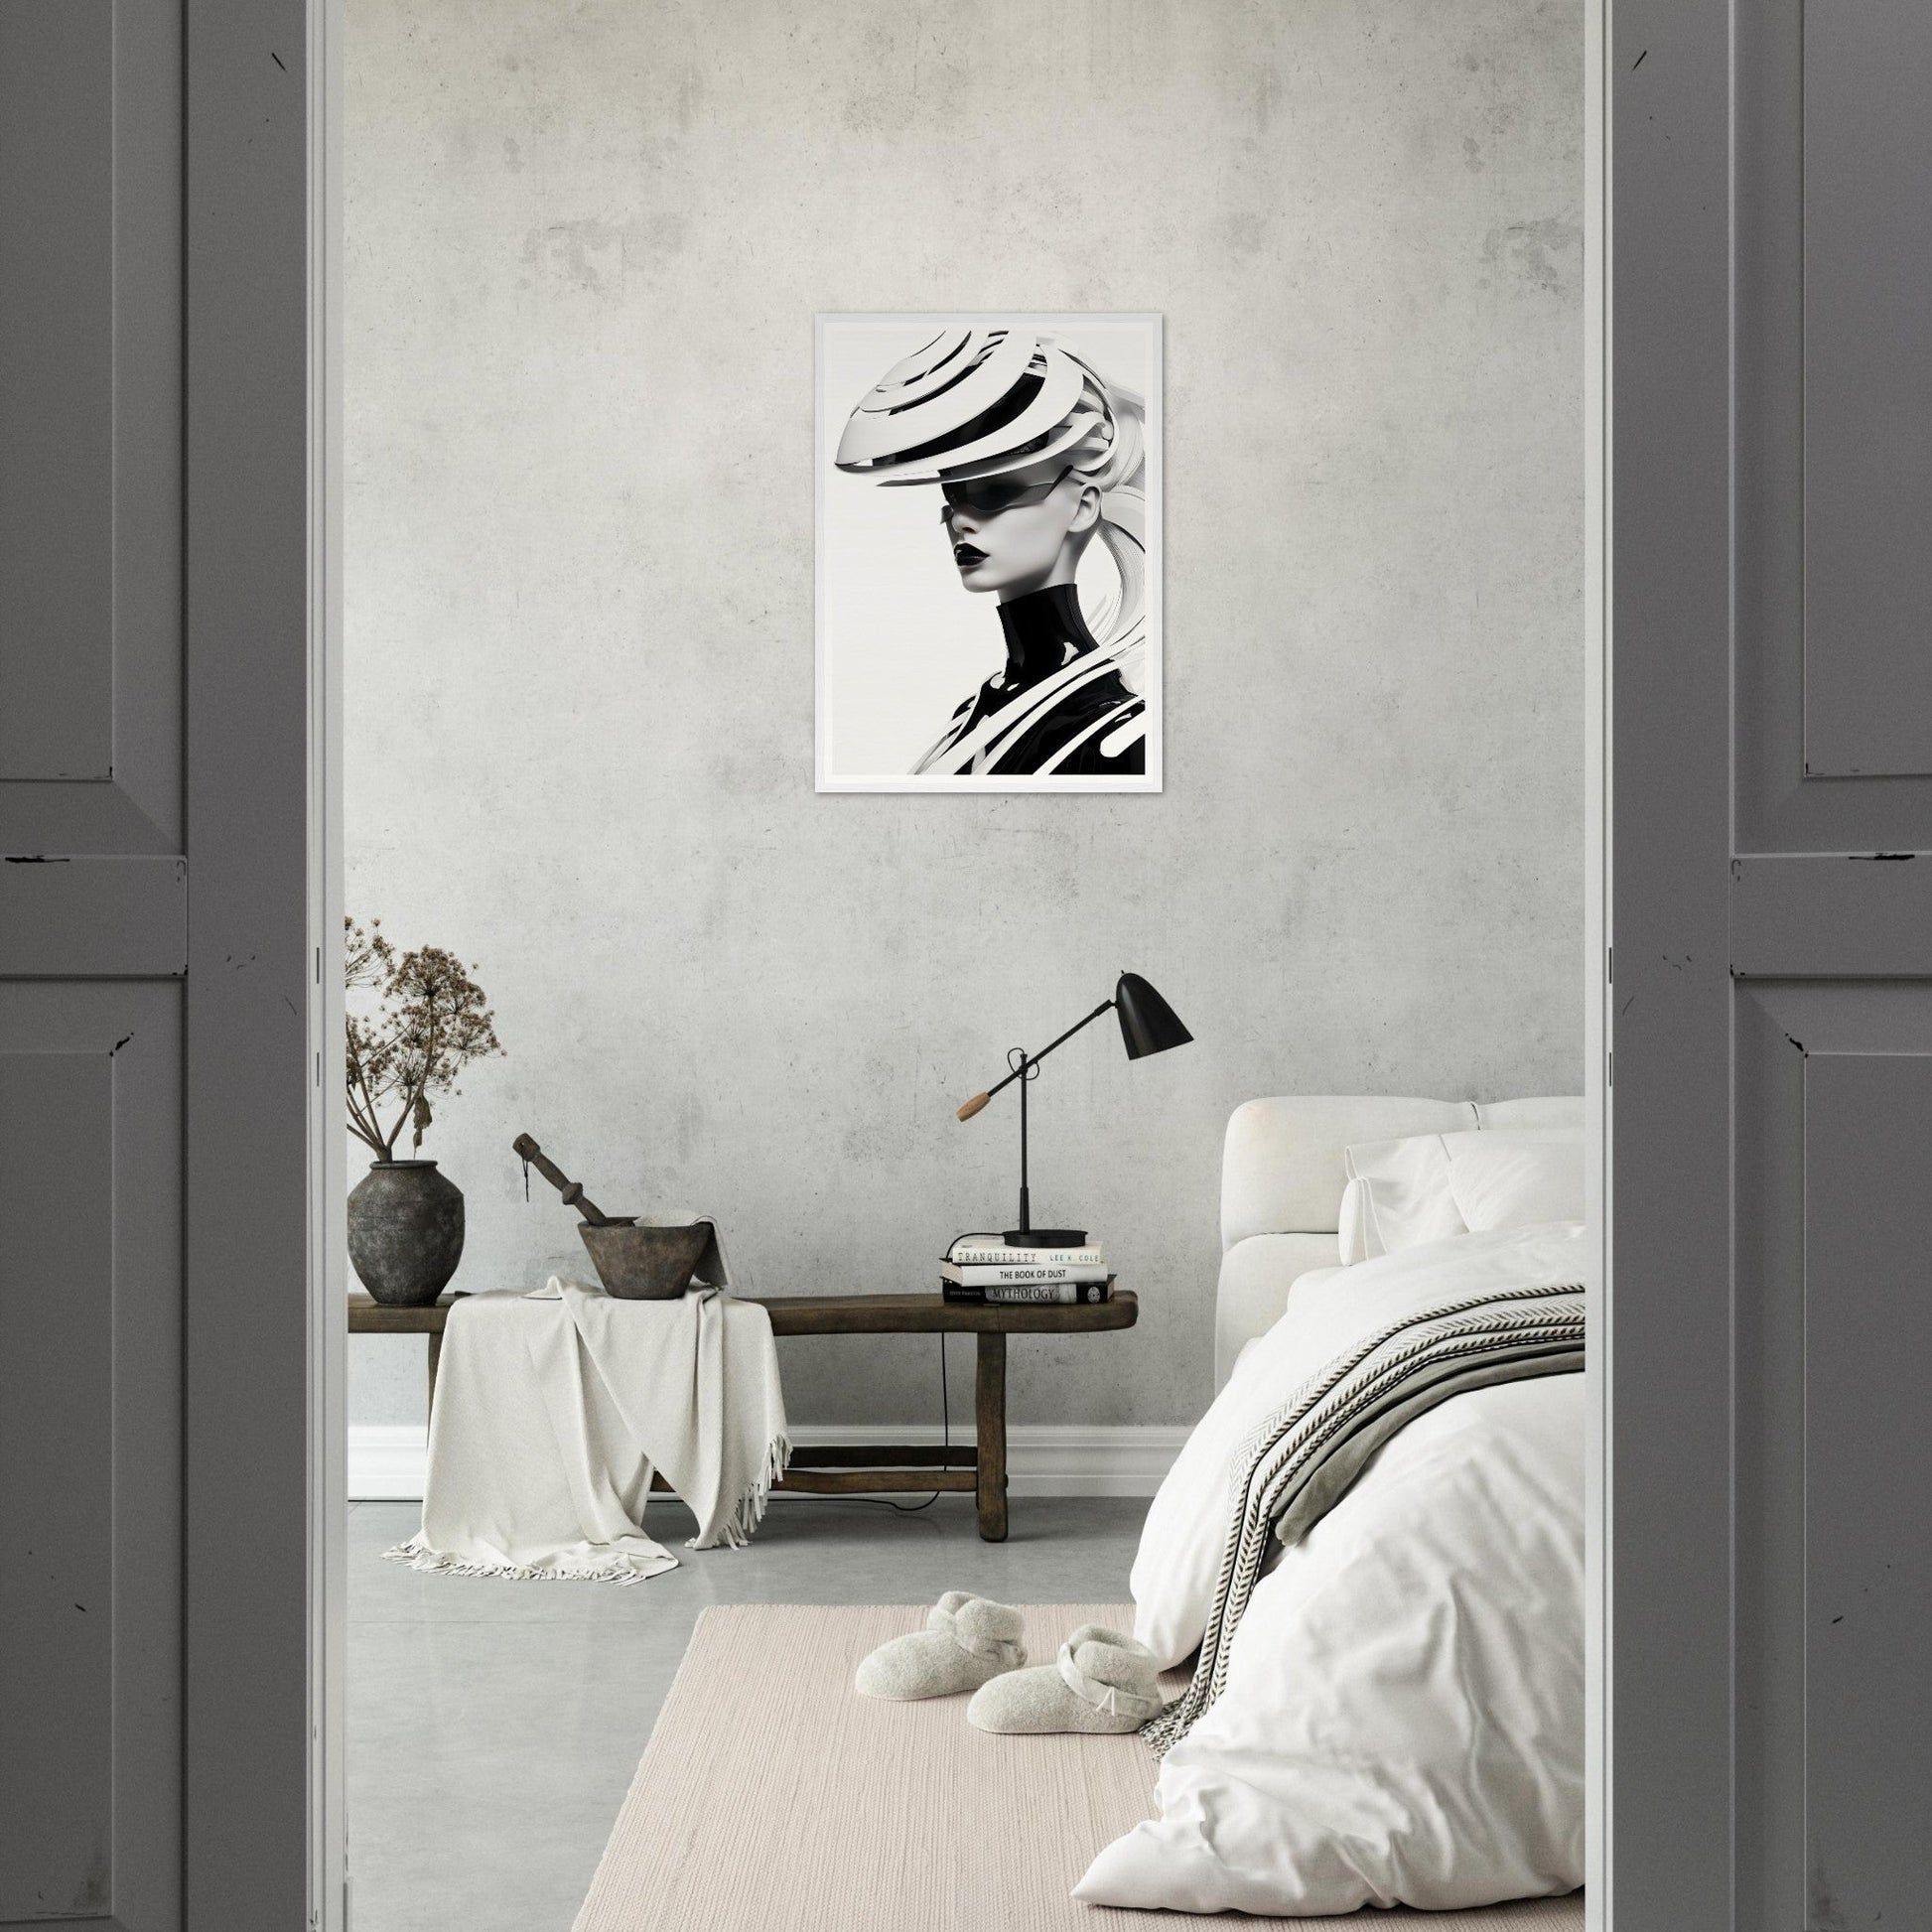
pixel 990 495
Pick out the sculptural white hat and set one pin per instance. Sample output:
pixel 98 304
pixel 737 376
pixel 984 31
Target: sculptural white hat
pixel 977 401
pixel 982 400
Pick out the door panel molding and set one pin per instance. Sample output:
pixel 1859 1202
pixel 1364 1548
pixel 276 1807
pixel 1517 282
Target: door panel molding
pixel 1865 156
pixel 1788 802
pixel 56 1156
pixel 102 918
pixel 1834 1438
pixel 91 1417
pixel 1838 916
pixel 57 389
pixel 90 470
pixel 1867 1493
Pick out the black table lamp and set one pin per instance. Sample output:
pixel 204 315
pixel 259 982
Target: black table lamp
pixel 1148 1024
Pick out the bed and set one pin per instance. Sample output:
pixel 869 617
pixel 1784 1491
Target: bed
pixel 1282 1174
pixel 1394 1708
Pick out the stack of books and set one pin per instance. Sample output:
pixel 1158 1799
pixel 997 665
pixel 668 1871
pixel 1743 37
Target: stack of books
pixel 984 1268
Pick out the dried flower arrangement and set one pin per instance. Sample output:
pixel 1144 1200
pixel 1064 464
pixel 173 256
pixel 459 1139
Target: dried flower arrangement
pixel 430 1020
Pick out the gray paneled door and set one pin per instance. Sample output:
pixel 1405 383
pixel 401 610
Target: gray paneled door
pixel 1770 1478
pixel 156 1056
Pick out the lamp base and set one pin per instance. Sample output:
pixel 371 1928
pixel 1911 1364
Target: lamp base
pixel 1045 1237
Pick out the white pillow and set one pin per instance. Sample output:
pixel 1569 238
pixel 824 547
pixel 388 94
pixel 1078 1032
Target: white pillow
pixel 1403 1197
pixel 1351 1224
pixel 1428 1187
pixel 1515 1177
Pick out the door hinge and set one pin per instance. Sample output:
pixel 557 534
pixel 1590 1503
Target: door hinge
pixel 1609 1068
pixel 1609 965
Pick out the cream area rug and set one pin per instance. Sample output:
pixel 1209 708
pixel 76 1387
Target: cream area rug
pixel 773 1798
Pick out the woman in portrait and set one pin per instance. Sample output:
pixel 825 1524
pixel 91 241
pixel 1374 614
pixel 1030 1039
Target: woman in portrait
pixel 1035 454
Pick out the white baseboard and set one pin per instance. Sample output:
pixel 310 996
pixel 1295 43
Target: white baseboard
pixel 386 1460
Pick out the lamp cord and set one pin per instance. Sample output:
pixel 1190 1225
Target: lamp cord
pixel 945 1438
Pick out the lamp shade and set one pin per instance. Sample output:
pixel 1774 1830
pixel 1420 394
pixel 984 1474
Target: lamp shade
pixel 1148 1024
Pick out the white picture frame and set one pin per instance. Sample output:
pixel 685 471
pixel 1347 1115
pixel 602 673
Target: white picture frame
pixel 903 650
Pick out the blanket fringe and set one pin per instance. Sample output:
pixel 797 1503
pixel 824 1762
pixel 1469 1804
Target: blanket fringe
pixel 738 1527
pixel 415 1554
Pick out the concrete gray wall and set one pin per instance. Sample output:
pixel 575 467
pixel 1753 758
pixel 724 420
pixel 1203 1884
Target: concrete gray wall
pixel 585 246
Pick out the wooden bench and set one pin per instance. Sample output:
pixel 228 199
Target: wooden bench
pixel 842 1469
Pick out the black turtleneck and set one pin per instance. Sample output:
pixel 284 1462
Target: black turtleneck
pixel 1091 727
pixel 1044 630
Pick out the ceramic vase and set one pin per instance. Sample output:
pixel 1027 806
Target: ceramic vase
pixel 405 1231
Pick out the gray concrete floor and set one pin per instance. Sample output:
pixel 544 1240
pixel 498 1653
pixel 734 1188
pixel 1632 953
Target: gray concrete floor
pixel 493 1727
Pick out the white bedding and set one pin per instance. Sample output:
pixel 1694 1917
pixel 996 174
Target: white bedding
pixel 1402 1720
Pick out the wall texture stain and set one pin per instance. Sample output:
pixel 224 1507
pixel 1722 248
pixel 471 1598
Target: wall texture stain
pixel 584 250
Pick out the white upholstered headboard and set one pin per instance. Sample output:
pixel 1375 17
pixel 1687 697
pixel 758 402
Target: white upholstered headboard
pixel 1282 1178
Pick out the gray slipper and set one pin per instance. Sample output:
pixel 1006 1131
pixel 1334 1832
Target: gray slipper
pixel 967 1640
pixel 1102 1681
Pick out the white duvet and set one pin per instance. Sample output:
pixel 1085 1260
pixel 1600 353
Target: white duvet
pixel 1403 1721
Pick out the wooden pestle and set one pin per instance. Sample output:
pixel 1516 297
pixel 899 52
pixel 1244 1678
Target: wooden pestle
pixel 572 1190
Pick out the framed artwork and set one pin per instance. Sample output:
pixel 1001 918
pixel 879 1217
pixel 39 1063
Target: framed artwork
pixel 989 552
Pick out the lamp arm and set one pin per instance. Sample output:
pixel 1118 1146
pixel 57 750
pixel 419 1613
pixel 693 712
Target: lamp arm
pixel 1027 1059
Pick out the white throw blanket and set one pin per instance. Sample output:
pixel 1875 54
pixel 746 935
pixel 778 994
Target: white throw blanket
pixel 553 1409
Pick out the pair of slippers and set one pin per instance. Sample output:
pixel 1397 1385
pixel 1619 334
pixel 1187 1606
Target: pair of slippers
pixel 1102 1681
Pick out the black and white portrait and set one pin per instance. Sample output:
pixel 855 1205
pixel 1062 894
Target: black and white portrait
pixel 989 553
